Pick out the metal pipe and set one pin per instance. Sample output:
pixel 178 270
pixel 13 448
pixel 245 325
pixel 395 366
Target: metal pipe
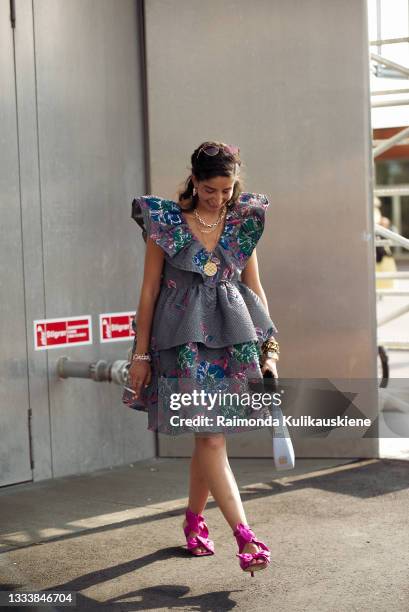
pixel 393 315
pixel 386 92
pixel 393 236
pixel 396 346
pixel 383 190
pixel 388 41
pixel 393 292
pixel 396 219
pixel 389 103
pixel 385 62
pixel 99 371
pixel 390 142
pixel 392 275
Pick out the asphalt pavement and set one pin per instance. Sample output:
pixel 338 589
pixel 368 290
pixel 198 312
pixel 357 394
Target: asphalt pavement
pixel 337 530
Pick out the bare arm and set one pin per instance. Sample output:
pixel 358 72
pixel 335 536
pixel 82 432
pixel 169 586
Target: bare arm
pixel 154 258
pixel 250 277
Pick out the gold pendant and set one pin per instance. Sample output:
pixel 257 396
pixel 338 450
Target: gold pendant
pixel 210 268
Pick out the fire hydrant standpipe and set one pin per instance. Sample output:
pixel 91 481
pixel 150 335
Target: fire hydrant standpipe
pixel 99 371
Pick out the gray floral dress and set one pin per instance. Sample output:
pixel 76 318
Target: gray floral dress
pixel 207 325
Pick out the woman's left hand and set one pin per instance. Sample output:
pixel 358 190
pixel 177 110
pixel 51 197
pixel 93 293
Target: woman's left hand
pixel 270 364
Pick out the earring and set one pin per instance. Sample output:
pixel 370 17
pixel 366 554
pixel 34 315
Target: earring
pixel 194 191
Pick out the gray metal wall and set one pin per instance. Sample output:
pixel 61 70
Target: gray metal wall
pixel 72 157
pixel 288 82
pixel 14 399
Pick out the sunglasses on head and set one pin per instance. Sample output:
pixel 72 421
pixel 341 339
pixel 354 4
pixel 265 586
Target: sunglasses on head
pixel 213 150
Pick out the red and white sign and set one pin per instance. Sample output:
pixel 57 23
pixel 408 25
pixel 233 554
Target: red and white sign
pixel 56 333
pixel 116 326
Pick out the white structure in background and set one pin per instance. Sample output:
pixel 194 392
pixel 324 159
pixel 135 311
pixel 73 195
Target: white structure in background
pixel 388 20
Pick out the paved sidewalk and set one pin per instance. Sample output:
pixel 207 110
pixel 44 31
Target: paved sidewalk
pixel 337 530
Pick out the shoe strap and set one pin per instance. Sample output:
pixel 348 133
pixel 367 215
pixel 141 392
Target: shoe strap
pixel 244 535
pixel 196 522
pixel 261 554
pixel 197 541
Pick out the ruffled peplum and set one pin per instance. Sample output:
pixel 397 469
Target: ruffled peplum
pixel 221 315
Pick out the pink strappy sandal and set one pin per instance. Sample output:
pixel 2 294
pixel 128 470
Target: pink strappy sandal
pixel 243 535
pixel 196 523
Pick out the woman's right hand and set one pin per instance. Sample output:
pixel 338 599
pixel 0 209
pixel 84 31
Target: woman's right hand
pixel 139 374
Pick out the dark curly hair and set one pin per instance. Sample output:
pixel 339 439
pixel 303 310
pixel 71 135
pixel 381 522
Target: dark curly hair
pixel 205 167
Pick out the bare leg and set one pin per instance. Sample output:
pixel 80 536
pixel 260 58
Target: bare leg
pixel 198 488
pixel 198 492
pixel 213 461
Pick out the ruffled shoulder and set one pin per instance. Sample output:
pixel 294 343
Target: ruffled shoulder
pixel 162 221
pixel 249 216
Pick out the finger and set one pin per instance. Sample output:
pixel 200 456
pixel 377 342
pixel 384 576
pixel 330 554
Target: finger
pixel 137 386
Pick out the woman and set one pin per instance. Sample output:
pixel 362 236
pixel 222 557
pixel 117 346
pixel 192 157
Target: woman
pixel 203 323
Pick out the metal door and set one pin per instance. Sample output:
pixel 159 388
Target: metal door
pixel 72 157
pixel 14 395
